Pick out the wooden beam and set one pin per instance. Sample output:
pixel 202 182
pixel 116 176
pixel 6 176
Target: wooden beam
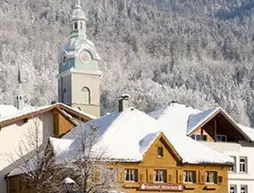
pixel 215 129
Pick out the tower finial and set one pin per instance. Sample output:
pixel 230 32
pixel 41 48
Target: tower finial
pixel 78 4
pixel 19 77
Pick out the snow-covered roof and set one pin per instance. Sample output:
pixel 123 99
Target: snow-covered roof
pixel 185 119
pixel 248 131
pixel 20 113
pixel 127 136
pixel 6 110
pixel 12 113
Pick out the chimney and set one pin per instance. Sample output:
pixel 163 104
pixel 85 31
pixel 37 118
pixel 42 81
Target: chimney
pixel 123 102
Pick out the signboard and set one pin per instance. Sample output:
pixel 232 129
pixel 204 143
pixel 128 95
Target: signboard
pixel 161 187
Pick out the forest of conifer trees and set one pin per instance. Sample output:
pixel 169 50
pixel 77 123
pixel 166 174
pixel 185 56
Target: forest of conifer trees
pixel 196 52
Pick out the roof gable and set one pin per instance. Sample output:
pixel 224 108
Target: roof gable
pixel 128 135
pixel 70 113
pixel 154 139
pixel 209 115
pixel 185 120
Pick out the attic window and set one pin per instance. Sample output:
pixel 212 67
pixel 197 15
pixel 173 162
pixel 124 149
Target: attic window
pixel 221 138
pixel 199 137
pixel 160 151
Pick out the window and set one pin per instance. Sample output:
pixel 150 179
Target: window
pixel 189 176
pixel 199 137
pixel 211 177
pixel 243 164
pixel 232 189
pixel 86 95
pixel 221 138
pixel 75 25
pixel 160 151
pixel 131 175
pixel 244 189
pixel 233 168
pixel 160 176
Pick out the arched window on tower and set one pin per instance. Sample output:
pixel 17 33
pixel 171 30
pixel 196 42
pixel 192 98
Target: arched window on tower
pixel 81 25
pixel 75 25
pixel 86 95
pixel 64 100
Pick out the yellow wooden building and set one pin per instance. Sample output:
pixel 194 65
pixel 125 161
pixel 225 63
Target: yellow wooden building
pixel 162 169
pixel 151 159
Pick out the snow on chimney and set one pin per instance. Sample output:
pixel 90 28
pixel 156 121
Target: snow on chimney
pixel 123 102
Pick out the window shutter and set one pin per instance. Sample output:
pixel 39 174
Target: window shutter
pixel 150 177
pixel 141 179
pixel 121 173
pixel 202 179
pixel 195 176
pixel 198 177
pixel 170 178
pixel 180 179
pixel 179 176
pixel 220 179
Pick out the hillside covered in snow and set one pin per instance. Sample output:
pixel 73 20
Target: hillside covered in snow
pixel 197 52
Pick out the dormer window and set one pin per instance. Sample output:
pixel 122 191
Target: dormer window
pixel 199 137
pixel 221 138
pixel 160 151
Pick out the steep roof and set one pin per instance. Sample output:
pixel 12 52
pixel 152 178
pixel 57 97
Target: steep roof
pixel 128 135
pixel 248 131
pixel 185 119
pixel 12 115
pixel 6 110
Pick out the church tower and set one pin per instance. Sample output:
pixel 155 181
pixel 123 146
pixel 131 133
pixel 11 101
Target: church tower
pixel 19 97
pixel 79 77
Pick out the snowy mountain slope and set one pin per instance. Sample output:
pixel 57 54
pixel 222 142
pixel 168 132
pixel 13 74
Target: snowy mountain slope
pixel 157 51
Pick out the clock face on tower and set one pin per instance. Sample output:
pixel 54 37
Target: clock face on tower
pixel 85 57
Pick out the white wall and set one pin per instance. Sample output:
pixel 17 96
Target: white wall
pixel 13 136
pixel 243 149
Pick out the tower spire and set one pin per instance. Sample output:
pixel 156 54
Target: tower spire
pixel 19 98
pixel 78 4
pixel 19 77
pixel 78 21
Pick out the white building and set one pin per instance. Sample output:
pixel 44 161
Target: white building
pixel 216 129
pixel 17 128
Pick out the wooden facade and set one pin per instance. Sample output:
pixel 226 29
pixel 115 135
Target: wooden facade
pixel 174 171
pixel 218 126
pixel 141 177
